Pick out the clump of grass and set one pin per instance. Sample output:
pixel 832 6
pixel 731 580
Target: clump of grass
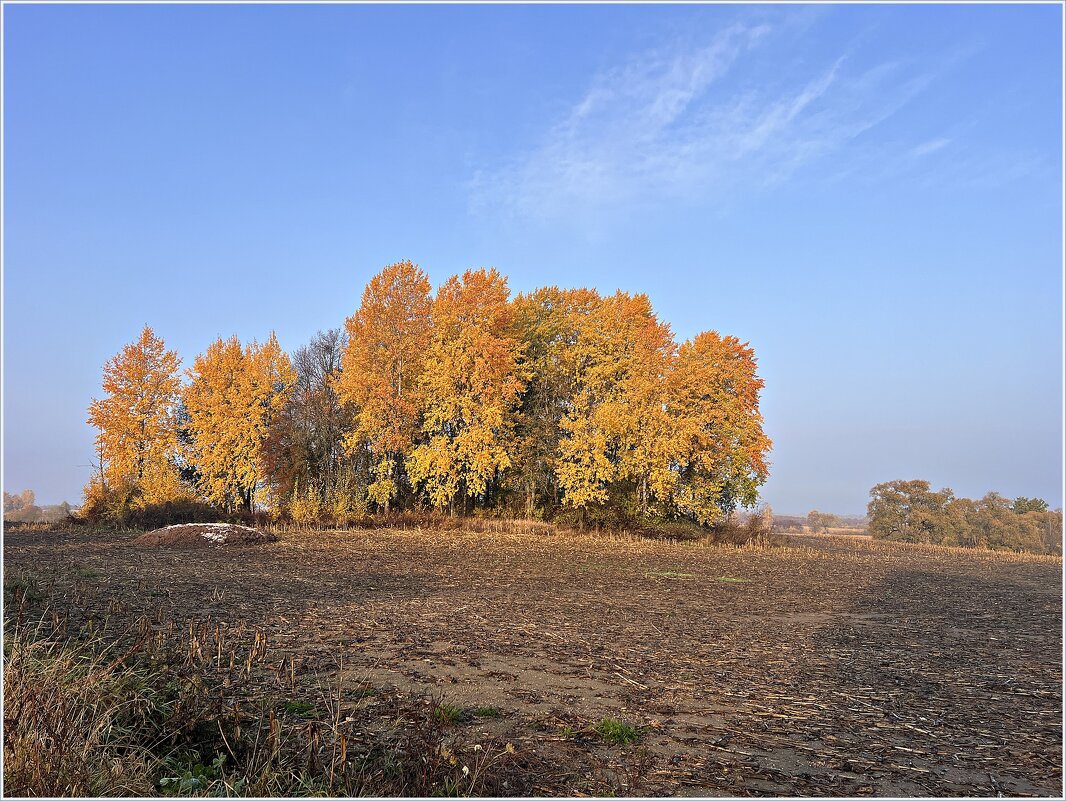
pixel 611 730
pixel 448 713
pixel 74 725
pixel 488 712
pixel 90 717
pixel 23 588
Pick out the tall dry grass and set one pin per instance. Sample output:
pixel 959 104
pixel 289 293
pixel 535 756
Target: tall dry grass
pixel 751 533
pixel 77 721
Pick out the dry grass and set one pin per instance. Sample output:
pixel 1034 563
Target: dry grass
pixel 91 710
pixel 749 535
pixel 74 721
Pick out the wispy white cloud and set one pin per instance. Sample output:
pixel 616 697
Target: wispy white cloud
pixel 933 145
pixel 666 125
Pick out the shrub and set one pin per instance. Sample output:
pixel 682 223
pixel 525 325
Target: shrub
pixel 348 506
pixel 172 513
pixel 305 507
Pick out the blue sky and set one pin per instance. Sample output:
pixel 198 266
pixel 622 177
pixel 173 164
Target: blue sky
pixel 870 195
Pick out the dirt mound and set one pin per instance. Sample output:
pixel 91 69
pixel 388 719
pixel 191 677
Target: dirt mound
pixel 203 535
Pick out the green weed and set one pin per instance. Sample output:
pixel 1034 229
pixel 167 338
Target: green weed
pixel 23 587
pixel 615 731
pixel 194 779
pixel 448 713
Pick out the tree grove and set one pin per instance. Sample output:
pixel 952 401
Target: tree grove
pixel 555 402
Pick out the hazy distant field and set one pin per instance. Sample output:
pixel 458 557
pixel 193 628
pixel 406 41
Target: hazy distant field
pixel 841 666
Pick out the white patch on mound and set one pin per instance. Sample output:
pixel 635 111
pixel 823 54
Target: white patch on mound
pixel 220 529
pixel 223 526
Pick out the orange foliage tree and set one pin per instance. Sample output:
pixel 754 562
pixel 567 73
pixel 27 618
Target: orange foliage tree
pixel 717 445
pixel 382 367
pixel 233 394
pixel 137 441
pixel 471 386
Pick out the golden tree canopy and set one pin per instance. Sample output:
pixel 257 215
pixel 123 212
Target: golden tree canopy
pixel 614 430
pixel 232 396
pixel 382 368
pixel 136 433
pixel 718 445
pixel 471 388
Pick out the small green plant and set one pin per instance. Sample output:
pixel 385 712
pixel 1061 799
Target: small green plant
pixel 87 573
pixel 298 707
pixel 567 732
pixel 615 731
pixel 449 788
pixel 668 574
pixel 488 712
pixel 448 713
pixel 195 779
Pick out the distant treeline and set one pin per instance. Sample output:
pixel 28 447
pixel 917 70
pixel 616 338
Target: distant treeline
pixel 910 511
pixel 556 402
pixel 23 508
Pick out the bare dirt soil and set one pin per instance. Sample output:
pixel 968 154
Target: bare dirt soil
pixel 838 666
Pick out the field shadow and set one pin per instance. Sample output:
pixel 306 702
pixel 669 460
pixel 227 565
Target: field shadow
pixel 932 683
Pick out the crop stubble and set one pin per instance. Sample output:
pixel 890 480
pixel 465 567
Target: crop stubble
pixel 837 667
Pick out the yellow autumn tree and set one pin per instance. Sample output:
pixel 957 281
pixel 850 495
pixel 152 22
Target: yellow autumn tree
pixel 614 433
pixel 136 440
pixel 546 323
pixel 232 396
pixel 388 338
pixel 471 389
pixel 718 447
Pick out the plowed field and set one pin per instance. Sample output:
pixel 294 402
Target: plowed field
pixel 830 667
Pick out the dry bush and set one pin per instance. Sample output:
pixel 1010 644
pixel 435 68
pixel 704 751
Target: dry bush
pixel 348 506
pixel 149 516
pixel 755 531
pixel 172 513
